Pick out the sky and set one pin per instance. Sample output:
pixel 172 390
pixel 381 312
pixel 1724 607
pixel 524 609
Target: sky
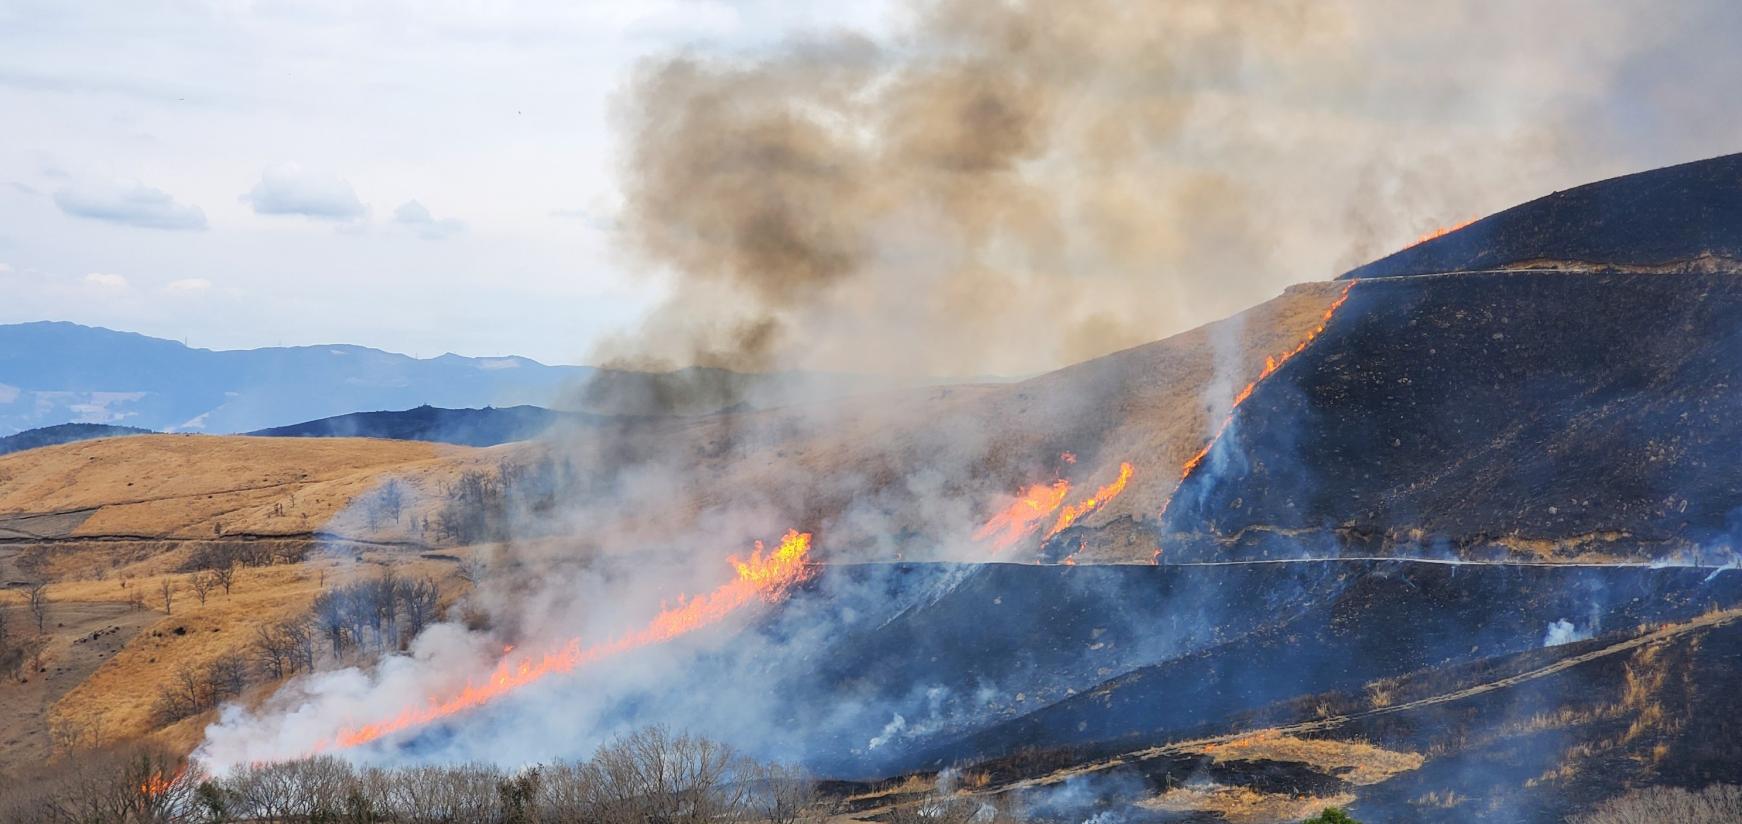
pixel 418 176
pixel 935 186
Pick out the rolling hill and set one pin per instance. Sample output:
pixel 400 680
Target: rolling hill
pixel 1447 540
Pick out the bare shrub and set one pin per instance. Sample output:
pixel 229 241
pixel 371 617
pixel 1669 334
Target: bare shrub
pixel 1716 804
pixel 134 785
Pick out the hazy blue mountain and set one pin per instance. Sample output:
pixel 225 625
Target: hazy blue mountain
pixel 53 372
pixel 64 433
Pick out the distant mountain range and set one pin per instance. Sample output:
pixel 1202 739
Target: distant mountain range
pixel 64 433
pixel 56 372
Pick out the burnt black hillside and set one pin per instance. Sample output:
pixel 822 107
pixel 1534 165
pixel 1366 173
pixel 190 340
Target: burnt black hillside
pixel 1679 218
pixel 1535 413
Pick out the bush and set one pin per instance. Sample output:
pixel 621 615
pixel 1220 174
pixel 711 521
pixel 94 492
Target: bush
pixel 1716 804
pixel 1332 815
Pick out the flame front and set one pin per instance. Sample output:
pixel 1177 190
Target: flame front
pixel 762 577
pixel 1441 232
pixel 1271 364
pixel 156 784
pixel 1023 517
pixel 1072 513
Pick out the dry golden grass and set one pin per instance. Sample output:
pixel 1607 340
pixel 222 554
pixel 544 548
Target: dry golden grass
pixel 116 701
pixel 1356 762
pixel 1242 805
pixel 203 487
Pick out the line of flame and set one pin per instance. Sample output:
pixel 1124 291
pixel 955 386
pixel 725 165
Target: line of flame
pixel 1023 517
pixel 1072 513
pixel 765 577
pixel 1441 232
pixel 1271 364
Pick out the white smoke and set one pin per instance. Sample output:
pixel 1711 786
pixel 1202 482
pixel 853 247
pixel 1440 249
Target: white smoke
pixel 1563 631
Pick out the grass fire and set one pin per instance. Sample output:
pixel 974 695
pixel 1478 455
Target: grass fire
pixel 939 412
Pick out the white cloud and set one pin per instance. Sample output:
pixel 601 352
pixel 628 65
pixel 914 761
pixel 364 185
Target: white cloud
pixel 289 189
pixel 413 215
pixel 105 281
pixel 5 269
pixel 188 286
pixel 128 202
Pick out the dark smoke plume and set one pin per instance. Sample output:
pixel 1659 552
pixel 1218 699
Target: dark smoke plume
pixel 1008 187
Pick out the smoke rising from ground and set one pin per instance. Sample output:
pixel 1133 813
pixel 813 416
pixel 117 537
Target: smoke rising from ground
pixel 1005 188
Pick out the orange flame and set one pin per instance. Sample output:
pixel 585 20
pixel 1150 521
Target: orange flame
pixel 1441 232
pixel 1099 499
pixel 1023 517
pixel 763 576
pixel 156 785
pixel 1271 364
pixel 1068 457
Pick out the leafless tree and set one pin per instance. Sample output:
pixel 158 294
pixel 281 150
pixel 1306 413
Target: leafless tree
pixel 785 794
pixel 4 628
pixel 37 598
pixel 137 784
pixel 473 569
pixel 274 650
pixel 167 588
pixel 225 576
pixel 1657 805
pixel 417 602
pixel 304 790
pixel 202 584
pixel 225 677
pixel 653 775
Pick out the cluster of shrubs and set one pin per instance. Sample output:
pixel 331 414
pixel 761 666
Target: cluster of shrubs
pixel 648 776
pixel 365 618
pixel 480 505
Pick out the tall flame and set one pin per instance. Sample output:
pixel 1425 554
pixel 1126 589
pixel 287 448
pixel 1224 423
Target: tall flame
pixel 1022 517
pixel 762 577
pixel 1072 513
pixel 1271 364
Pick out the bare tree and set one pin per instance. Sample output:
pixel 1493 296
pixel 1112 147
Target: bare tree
pixel 167 588
pixel 37 598
pixel 133 784
pixel 4 628
pixel 225 575
pixel 225 677
pixel 1655 805
pixel 202 583
pixel 417 602
pixel 274 650
pixel 785 794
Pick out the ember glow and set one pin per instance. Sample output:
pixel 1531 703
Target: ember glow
pixel 1271 364
pixel 765 576
pixel 1022 517
pixel 1075 511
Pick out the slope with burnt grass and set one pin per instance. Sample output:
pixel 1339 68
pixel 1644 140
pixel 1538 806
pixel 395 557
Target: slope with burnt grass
pixel 1685 218
pixel 1540 414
